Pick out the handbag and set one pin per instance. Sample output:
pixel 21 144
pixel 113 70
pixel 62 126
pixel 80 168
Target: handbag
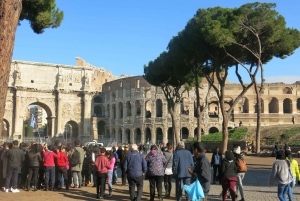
pixel 194 191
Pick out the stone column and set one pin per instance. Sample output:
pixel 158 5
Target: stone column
pixel 165 134
pixel 294 107
pixel 59 129
pixel 95 130
pixel 17 118
pixel 153 134
pixel 132 134
pixel 266 106
pixel 142 135
pixel 86 115
pixel 251 107
pixel 280 107
pixel 50 126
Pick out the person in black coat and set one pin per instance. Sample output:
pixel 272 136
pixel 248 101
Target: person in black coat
pixel 216 161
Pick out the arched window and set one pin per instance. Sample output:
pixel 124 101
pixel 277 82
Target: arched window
pixel 213 130
pixel 287 90
pixel 98 110
pixel 287 106
pixel 128 108
pixel 273 106
pixel 148 109
pixel 158 108
pixel 138 108
pixel 121 110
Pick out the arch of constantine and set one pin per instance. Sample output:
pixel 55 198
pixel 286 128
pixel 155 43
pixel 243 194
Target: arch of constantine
pixel 97 104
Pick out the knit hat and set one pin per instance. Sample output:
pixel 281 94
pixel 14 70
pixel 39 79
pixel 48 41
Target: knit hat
pixel 237 150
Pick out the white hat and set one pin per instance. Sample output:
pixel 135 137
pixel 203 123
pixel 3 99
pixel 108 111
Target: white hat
pixel 237 150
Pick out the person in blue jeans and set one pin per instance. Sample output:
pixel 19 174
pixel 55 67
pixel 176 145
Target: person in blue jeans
pixel 281 174
pixel 182 161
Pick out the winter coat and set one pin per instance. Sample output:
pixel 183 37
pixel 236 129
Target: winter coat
pixel 155 163
pixel 101 164
pixel 135 164
pixel 35 159
pixel 182 160
pixel 78 167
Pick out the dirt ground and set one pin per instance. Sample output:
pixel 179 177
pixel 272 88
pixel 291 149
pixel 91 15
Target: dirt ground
pixel 119 192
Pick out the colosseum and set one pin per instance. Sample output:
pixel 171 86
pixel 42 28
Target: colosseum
pixel 87 102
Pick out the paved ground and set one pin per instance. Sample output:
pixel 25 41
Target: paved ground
pixel 255 188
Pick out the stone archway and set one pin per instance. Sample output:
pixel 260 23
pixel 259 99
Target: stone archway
pixel 148 109
pixel 287 106
pixel 71 131
pixel 159 135
pixel 170 134
pixel 41 119
pixel 148 135
pixel 184 133
pixel 196 131
pixel 5 128
pixel 273 106
pixel 98 111
pixel 298 105
pixel 120 135
pixel 213 130
pixel 159 108
pixel 101 128
pixel 138 135
pixel 127 135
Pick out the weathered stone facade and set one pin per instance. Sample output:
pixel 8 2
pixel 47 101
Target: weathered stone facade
pixel 97 104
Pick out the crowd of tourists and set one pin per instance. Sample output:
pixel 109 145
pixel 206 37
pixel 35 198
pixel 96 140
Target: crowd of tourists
pixel 33 167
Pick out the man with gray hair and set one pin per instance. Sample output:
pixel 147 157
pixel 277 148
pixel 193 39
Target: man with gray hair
pixel 135 166
pixel 182 161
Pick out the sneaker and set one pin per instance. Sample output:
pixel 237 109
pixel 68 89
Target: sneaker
pixel 108 196
pixel 6 190
pixel 15 190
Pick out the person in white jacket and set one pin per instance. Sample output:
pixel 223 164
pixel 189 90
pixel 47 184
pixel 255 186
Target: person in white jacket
pixel 281 174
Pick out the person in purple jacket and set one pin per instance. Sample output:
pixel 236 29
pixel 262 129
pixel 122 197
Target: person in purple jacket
pixel 155 171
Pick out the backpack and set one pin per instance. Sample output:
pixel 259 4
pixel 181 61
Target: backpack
pixel 75 158
pixel 241 165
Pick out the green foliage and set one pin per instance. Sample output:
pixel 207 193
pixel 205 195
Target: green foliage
pixel 27 130
pixel 236 134
pixel 41 14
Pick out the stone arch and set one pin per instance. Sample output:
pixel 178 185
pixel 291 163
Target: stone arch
pixel 138 108
pixel 298 105
pixel 159 135
pixel 287 106
pixel 148 94
pixel 170 134
pixel 113 107
pixel 113 133
pixel 127 135
pixel 196 131
pixel 120 110
pixel 138 135
pixel 107 133
pixel 128 108
pixel 148 135
pixel 120 135
pixel 159 108
pixel 213 109
pixel 71 130
pixel 213 130
pixel 287 90
pixel 245 105
pixel 261 105
pixel 98 110
pixel 148 109
pixel 184 133
pixel 273 106
pixel 228 103
pixel 66 111
pixel 98 99
pixel 5 128
pixel 101 127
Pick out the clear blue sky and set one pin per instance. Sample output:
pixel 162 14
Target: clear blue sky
pixel 123 35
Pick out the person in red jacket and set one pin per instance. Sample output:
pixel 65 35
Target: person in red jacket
pixel 48 158
pixel 101 166
pixel 61 167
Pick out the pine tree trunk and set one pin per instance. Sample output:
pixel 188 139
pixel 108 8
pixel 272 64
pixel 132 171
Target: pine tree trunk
pixel 10 11
pixel 198 108
pixel 258 119
pixel 224 122
pixel 174 127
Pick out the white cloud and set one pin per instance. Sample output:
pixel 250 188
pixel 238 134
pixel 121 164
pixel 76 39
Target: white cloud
pixel 285 79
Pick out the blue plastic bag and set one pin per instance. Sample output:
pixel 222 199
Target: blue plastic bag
pixel 194 191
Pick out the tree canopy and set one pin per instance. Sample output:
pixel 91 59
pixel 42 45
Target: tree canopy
pixel 41 14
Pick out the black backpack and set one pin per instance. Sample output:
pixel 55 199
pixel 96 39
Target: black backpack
pixel 75 158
